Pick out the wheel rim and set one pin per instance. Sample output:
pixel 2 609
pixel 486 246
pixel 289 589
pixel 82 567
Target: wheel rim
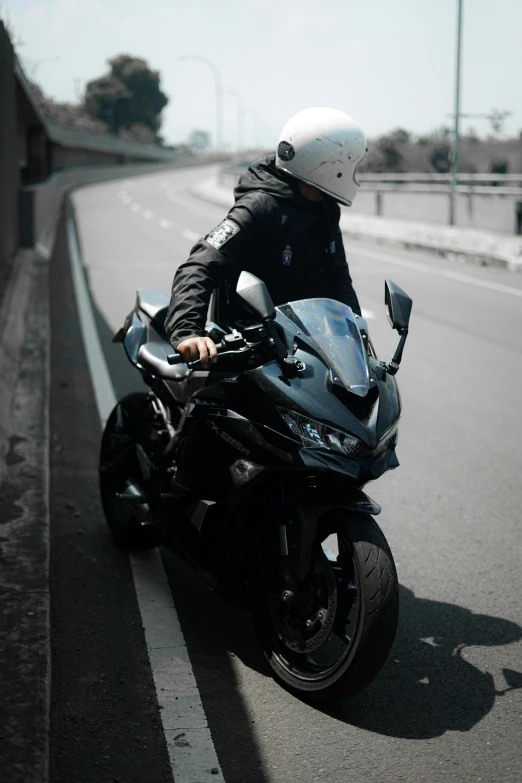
pixel 339 641
pixel 119 469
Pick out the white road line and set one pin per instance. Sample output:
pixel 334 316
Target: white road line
pixel 368 314
pixel 163 223
pixel 135 207
pixel 191 750
pixel 126 198
pixel 461 278
pixel 201 208
pixel 147 214
pixel 188 234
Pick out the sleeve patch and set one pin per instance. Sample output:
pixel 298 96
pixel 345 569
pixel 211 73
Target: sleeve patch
pixel 222 233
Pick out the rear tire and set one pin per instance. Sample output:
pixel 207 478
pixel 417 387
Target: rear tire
pixel 374 617
pixel 126 427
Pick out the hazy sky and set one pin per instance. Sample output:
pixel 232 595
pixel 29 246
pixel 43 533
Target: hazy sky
pixel 388 63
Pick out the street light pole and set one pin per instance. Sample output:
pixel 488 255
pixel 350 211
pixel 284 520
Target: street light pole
pixel 35 67
pixel 456 138
pixel 240 107
pixel 219 94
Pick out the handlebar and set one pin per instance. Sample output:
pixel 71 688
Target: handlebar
pixel 231 343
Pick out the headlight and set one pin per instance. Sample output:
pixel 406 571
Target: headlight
pixel 315 435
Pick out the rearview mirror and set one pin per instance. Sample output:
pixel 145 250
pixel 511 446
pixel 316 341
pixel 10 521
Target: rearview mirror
pixel 254 293
pixel 398 306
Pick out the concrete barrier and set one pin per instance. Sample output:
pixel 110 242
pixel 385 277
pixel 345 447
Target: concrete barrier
pixel 483 247
pixel 487 202
pixel 40 204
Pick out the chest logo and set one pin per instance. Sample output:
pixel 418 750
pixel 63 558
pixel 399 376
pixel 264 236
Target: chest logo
pixel 287 255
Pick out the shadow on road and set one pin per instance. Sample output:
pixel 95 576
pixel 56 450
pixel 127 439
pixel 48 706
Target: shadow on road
pixel 427 686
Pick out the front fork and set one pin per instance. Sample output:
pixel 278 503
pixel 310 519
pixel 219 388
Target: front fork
pixel 296 541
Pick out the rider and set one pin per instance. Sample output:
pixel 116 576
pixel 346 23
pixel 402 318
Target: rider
pixel 283 227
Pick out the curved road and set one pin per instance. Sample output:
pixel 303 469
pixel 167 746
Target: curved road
pixel 448 704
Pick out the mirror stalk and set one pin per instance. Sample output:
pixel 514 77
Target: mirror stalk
pixel 395 362
pixel 279 344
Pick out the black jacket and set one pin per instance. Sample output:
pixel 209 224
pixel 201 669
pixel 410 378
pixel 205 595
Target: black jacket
pixel 294 245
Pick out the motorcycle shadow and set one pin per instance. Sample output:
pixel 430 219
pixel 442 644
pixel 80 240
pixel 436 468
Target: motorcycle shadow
pixel 427 686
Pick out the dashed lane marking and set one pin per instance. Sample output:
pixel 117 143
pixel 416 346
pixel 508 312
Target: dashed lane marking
pixel 202 208
pixel 191 750
pixel 135 207
pixel 460 277
pixel 163 223
pixel 191 235
pixel 147 214
pixel 368 314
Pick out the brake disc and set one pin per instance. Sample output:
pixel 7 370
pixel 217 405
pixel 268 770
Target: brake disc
pixel 318 625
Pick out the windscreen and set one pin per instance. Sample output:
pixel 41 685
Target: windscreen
pixel 331 327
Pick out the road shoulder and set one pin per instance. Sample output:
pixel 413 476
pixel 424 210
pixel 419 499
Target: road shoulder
pixel 24 542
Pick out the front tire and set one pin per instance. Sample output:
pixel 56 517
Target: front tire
pixel 119 472
pixel 367 607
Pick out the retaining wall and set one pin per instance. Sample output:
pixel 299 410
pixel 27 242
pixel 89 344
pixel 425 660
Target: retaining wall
pixel 9 175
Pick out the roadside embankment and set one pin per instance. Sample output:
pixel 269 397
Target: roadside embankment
pixel 482 247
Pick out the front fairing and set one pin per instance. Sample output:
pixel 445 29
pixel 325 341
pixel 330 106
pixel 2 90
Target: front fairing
pixel 313 394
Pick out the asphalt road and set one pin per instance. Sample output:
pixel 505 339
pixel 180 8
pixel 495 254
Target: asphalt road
pixel 448 704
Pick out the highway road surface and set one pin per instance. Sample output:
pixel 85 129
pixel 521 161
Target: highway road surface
pixel 448 704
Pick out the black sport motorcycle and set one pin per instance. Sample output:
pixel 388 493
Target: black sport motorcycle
pixel 253 469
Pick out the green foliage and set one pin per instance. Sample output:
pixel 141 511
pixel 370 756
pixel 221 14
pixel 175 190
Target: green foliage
pixel 128 96
pixel 400 136
pixel 390 154
pixel 441 158
pixel 499 167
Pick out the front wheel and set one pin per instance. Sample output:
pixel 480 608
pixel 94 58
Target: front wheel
pixel 335 637
pixel 122 491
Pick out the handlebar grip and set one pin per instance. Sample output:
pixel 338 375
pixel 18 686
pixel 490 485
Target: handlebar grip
pixel 175 358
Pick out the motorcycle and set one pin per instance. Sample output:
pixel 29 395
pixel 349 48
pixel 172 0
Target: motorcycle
pixel 253 471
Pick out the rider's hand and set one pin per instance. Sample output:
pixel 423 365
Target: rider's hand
pixel 195 348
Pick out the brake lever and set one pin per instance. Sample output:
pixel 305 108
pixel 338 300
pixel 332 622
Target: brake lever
pixel 195 365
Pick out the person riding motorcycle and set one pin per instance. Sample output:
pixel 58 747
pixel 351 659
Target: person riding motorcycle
pixel 283 228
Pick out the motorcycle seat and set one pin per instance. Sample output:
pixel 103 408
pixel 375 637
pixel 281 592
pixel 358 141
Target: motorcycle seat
pixel 151 302
pixel 153 357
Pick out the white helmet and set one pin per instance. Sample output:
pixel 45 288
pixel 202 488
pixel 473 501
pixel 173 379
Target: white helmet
pixel 324 148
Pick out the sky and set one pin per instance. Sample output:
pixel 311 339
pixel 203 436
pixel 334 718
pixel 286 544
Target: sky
pixel 387 63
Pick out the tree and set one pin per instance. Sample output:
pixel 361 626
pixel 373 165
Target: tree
pixel 199 139
pixel 129 95
pixel 497 119
pixel 400 135
pixel 392 158
pixel 441 158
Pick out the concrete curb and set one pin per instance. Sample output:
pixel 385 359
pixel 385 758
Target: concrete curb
pixel 480 247
pixel 25 655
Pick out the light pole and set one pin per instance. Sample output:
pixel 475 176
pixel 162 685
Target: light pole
pixel 41 62
pixel 240 108
pixel 219 94
pixel 455 156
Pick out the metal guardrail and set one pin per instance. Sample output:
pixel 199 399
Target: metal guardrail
pixel 421 182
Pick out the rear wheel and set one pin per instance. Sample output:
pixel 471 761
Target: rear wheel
pixel 333 639
pixel 122 491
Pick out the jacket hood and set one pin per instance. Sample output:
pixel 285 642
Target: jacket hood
pixel 264 175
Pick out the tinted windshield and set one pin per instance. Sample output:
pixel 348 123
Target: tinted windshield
pixel 331 327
